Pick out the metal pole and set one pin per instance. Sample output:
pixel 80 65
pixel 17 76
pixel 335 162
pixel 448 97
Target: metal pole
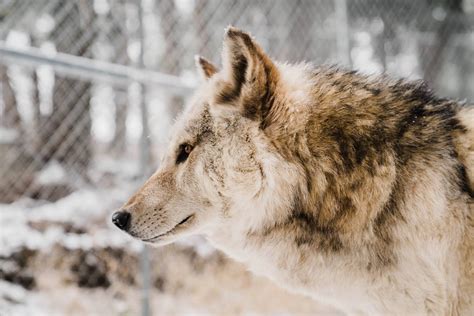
pixel 144 162
pixel 90 69
pixel 145 266
pixel 342 37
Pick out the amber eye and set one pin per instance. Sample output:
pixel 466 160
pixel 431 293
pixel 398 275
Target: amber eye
pixel 183 152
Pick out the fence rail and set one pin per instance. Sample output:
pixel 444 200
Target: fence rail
pixel 84 107
pixel 118 73
pixel 90 69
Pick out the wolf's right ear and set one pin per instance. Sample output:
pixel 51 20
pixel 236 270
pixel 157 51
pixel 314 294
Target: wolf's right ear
pixel 205 67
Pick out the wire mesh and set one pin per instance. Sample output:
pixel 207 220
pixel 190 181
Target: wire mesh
pixel 60 134
pixel 53 116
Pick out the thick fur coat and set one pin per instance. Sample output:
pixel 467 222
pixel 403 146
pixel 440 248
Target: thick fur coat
pixel 354 190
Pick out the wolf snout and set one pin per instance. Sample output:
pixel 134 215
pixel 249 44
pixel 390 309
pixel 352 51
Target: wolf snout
pixel 121 219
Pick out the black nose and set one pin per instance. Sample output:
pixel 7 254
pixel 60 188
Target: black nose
pixel 121 219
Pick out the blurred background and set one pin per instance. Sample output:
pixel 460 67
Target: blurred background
pixel 88 92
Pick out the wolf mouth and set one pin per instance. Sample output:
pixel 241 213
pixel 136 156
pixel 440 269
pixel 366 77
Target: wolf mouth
pixel 185 220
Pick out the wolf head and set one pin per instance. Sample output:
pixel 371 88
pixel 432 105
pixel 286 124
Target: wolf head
pixel 221 164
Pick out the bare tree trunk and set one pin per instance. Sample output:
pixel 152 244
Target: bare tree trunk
pixel 383 38
pixel 434 54
pixel 201 27
pixel 35 136
pixel 121 106
pixel 11 117
pixel 342 33
pixel 465 69
pixel 36 100
pixel 16 173
pixel 66 134
pixel 293 50
pixel 120 43
pixel 170 63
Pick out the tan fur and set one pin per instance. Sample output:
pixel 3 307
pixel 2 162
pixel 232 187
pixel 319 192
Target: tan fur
pixel 464 141
pixel 354 190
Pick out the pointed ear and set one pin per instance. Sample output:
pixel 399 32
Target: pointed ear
pixel 250 76
pixel 205 67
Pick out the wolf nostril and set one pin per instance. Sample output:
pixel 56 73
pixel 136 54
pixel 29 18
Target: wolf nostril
pixel 121 219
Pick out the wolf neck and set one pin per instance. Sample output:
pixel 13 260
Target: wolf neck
pixel 309 246
pixel 334 266
pixel 315 265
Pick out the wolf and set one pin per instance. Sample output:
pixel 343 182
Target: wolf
pixel 354 190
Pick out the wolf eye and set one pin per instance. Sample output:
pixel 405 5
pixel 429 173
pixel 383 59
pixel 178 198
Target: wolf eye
pixel 183 152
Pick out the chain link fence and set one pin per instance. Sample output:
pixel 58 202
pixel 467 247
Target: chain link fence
pixel 69 120
pixel 49 119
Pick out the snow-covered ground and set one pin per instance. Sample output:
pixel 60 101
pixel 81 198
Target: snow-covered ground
pixel 65 258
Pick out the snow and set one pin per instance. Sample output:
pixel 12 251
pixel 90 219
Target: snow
pixel 7 135
pixel 52 173
pixel 80 207
pixel 15 300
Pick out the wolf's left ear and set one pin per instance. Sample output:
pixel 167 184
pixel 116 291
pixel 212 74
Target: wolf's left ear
pixel 205 67
pixel 250 76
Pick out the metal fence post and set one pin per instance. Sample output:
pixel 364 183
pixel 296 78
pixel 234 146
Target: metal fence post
pixel 144 164
pixel 342 33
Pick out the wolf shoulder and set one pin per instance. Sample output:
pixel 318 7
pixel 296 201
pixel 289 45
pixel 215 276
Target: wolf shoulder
pixel 464 142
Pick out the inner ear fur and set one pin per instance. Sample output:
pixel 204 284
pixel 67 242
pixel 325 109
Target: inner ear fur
pixel 205 67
